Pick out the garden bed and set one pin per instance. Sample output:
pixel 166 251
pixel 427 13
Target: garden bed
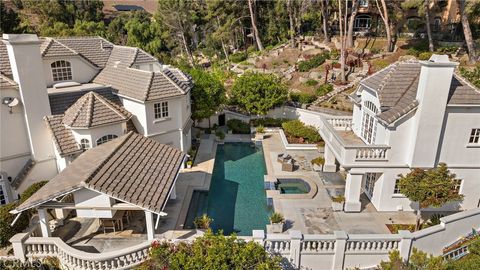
pixel 394 228
pixel 295 146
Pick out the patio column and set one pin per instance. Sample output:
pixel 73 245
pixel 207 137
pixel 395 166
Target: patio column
pixel 329 165
pixel 43 218
pixel 150 225
pixel 352 192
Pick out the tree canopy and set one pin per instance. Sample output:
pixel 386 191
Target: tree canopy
pixel 430 188
pixel 207 93
pixel 257 93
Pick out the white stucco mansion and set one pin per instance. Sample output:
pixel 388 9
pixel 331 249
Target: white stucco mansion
pixel 62 96
pixel 408 115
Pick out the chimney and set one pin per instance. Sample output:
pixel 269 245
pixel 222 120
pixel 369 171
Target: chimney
pixel 432 95
pixel 27 68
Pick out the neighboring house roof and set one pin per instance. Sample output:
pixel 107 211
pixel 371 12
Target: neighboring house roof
pixel 62 136
pixel 60 102
pixel 132 168
pixel 396 89
pixel 93 110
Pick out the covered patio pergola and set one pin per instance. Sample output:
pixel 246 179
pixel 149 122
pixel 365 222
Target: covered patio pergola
pixel 131 173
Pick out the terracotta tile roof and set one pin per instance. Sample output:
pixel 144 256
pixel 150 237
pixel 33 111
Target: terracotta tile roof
pixel 60 102
pixel 5 68
pixel 62 136
pixel 5 81
pixel 93 110
pixel 51 47
pixel 143 57
pixel 396 88
pixel 132 168
pixel 95 49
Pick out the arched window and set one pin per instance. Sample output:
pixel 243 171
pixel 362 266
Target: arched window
pixel 85 144
pixel 369 105
pixel 106 138
pixel 61 71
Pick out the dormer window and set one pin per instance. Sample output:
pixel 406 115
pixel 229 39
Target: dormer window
pixel 85 144
pixel 61 71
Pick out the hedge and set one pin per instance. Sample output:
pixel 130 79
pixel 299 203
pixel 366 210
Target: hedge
pixel 238 57
pixel 238 126
pixel 314 62
pixel 267 122
pixel 324 89
pixel 7 231
pixel 298 129
pixel 304 98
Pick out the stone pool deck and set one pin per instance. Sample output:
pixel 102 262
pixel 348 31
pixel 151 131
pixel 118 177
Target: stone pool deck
pixel 315 216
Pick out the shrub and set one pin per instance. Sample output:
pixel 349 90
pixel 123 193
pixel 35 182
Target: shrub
pixel 334 54
pixel 260 129
pixel 238 126
pixel 296 128
pixel 413 51
pixel 211 251
pixel 318 161
pixel 238 57
pixel 276 218
pixel 472 75
pixel 7 231
pixel 324 89
pixel 220 134
pixel 375 50
pixel 311 82
pixel 338 199
pixel 251 49
pixel 425 55
pixel 303 98
pixel 203 222
pixel 267 122
pixel 314 62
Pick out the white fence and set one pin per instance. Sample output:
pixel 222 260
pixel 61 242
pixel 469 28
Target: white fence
pixel 320 251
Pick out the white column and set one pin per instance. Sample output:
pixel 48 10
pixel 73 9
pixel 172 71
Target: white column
pixel 405 244
pixel 150 227
pixel 295 248
pixel 329 165
pixel 339 254
pixel 173 194
pixel 259 237
pixel 353 189
pixel 43 218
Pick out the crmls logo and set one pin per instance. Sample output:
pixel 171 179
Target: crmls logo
pixel 16 264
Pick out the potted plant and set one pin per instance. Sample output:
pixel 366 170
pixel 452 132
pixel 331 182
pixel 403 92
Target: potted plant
pixel 338 202
pixel 259 132
pixel 202 222
pixel 220 135
pixel 189 164
pixel 318 163
pixel 276 222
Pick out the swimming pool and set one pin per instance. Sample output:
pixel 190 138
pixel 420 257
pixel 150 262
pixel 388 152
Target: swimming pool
pixel 236 200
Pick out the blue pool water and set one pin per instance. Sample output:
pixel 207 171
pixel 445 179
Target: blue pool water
pixel 236 200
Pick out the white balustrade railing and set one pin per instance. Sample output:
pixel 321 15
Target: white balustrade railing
pixel 280 246
pixel 371 153
pixel 456 253
pixel 315 244
pixel 71 258
pixel 341 122
pixel 376 243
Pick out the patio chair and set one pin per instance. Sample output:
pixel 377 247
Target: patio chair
pixel 109 224
pixel 283 157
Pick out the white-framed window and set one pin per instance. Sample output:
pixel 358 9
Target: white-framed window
pixel 85 144
pixel 369 128
pixel 363 3
pixel 458 185
pixel 396 189
pixel 3 196
pixel 362 22
pixel 61 71
pixel 106 138
pixel 474 136
pixel 370 179
pixel 161 110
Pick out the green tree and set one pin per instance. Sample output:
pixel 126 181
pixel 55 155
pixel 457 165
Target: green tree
pixel 211 251
pixel 429 188
pixel 418 260
pixel 257 93
pixel 208 94
pixel 9 20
